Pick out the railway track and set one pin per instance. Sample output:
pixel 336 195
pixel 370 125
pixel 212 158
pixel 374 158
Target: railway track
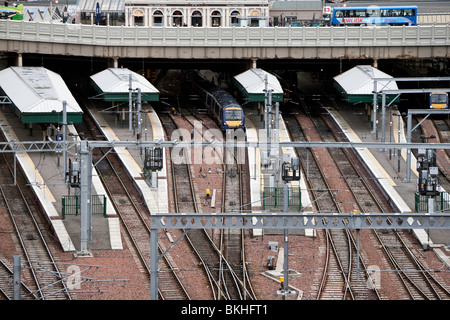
pixel 7 286
pixel 133 213
pixel 224 257
pixel 418 282
pixel 231 242
pixel 209 254
pixel 335 282
pixel 38 262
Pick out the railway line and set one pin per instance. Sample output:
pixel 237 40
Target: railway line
pixel 330 175
pixel 46 282
pixel 133 213
pixel 336 282
pixel 418 283
pixel 224 258
pixel 364 200
pixel 215 258
pixel 7 287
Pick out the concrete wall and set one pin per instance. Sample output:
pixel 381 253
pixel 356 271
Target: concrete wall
pixel 225 43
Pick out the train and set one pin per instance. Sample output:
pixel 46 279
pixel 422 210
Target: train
pixel 375 15
pixel 438 100
pixel 220 104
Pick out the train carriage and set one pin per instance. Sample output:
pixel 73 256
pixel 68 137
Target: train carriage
pixel 220 104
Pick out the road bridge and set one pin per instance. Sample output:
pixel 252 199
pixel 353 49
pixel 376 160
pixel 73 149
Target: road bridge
pixel 115 42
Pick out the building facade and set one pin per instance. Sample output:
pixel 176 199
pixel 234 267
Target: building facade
pixel 192 13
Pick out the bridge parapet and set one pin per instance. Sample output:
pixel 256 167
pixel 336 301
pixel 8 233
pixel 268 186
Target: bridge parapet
pixel 259 42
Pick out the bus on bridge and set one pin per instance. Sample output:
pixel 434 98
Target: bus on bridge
pixel 374 15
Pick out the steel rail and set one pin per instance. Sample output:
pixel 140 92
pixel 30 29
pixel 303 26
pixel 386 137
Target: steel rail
pixel 29 215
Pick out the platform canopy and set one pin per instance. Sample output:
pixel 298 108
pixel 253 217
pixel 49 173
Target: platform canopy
pixel 357 84
pixel 37 95
pixel 113 85
pixel 116 6
pixel 252 84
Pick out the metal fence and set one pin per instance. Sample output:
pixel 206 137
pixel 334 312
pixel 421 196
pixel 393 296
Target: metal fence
pixel 442 203
pixel 71 205
pixel 274 197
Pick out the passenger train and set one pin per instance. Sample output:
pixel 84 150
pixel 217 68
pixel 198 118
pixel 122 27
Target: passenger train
pixel 374 15
pixel 220 104
pixel 438 100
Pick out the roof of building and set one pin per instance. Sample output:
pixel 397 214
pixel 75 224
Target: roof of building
pixel 252 85
pixel 38 94
pixel 114 83
pixel 104 5
pixel 297 5
pixel 357 84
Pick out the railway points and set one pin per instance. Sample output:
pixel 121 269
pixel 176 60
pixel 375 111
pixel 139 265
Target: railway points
pixel 47 180
pixel 401 194
pixel 133 158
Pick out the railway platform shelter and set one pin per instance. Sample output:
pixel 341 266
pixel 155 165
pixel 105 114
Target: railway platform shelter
pixel 113 84
pixel 252 84
pixel 37 95
pixel 356 85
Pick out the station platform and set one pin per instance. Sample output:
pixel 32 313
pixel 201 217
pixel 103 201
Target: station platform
pixel 155 196
pixel 259 180
pixel 384 166
pixel 390 171
pixel 46 176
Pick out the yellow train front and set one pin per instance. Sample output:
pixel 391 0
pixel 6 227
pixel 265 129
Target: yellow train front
pixel 438 100
pixel 227 111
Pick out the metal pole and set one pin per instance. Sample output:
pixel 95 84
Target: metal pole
pixel 139 109
pixel 64 125
pixel 399 150
pixel 408 150
pixel 431 210
pixel 375 103
pixel 277 138
pixel 153 264
pixel 286 242
pixel 266 104
pixel 130 100
pixel 383 119
pixel 390 134
pixel 17 277
pixel 85 196
pixel 357 254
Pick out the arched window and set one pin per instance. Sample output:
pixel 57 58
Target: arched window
pixel 158 18
pixel 235 18
pixel 138 17
pixel 177 18
pixel 197 19
pixel 215 18
pixel 254 18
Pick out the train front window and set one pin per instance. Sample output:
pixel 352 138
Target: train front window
pixel 233 114
pixel 438 98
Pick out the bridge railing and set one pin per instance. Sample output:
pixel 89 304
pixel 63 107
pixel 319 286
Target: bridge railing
pixel 429 35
